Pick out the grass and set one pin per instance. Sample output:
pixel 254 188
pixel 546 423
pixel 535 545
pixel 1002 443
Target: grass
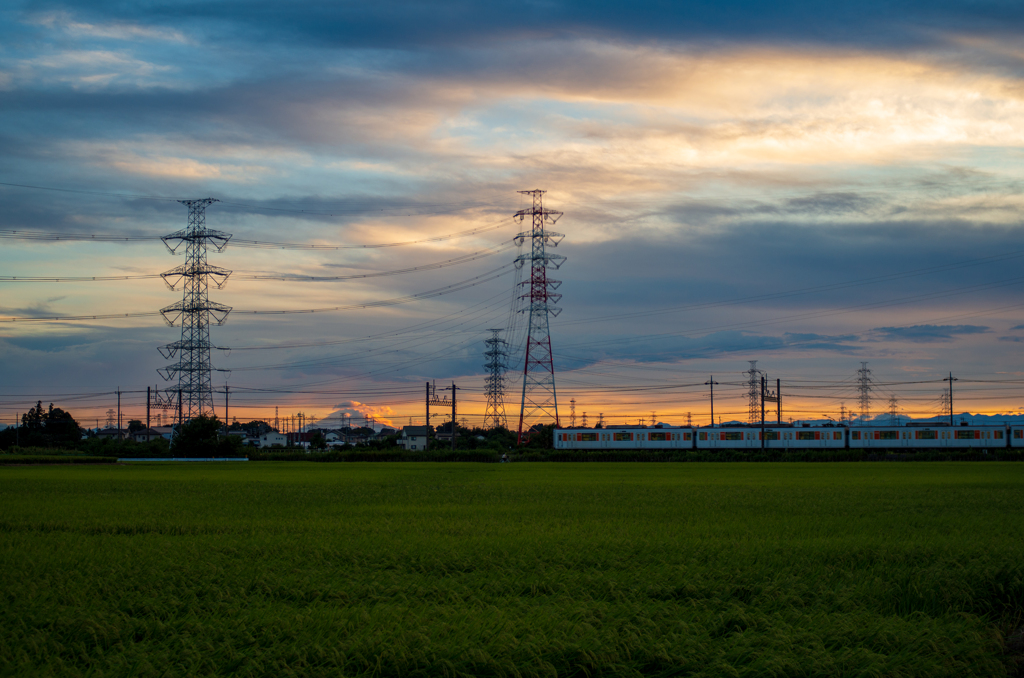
pixel 419 569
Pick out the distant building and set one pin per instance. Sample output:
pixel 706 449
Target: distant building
pixel 271 439
pixel 147 434
pixel 414 437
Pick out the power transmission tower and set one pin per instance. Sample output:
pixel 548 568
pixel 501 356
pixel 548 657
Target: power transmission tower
pixel 864 387
pixel 572 413
pixel 945 406
pixel 583 420
pixel 753 393
pixel 894 412
pixel 600 420
pixel 195 310
pixel 539 401
pixel 494 385
pixel 652 418
pixel 689 419
pixel 842 413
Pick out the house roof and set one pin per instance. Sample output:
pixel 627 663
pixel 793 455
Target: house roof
pixel 415 430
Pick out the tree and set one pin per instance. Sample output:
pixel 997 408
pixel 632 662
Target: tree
pixel 200 438
pixel 317 441
pixel 135 425
pixel 52 427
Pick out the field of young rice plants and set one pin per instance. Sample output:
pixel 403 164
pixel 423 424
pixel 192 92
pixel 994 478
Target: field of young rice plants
pixel 282 569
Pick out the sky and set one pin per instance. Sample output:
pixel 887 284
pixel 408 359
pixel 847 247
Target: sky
pixel 808 185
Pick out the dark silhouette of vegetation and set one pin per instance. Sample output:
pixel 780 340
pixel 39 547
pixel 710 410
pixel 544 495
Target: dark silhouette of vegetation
pixel 201 437
pixel 40 427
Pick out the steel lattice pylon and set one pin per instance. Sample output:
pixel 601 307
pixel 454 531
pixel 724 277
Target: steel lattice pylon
pixel 494 385
pixel 195 310
pixel 540 402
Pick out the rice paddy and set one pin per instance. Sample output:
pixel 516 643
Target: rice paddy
pixel 419 569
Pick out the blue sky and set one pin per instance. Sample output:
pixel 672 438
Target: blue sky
pixel 808 185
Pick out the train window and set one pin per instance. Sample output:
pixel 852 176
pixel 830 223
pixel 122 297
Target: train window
pixel 620 435
pixel 964 435
pixel 1018 433
pixel 855 435
pixel 926 435
pixel 805 435
pixel 887 435
pixel 658 435
pixel 703 435
pixel 837 435
pixel 686 436
pixel 731 435
pixel 770 435
pixel 586 437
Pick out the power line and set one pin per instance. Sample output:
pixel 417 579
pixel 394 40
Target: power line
pixel 448 289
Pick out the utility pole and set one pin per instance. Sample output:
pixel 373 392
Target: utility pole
pixel 712 383
pixel 951 379
pixel 226 405
pixel 195 311
pixel 147 412
pixel 119 434
pixel 428 415
pixel 455 427
pixel 540 400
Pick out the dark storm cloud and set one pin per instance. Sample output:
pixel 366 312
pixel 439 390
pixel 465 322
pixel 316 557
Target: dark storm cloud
pixel 403 24
pixel 923 334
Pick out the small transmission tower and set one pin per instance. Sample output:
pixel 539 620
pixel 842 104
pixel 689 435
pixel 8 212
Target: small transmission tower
pixel 494 385
pixel 572 413
pixel 195 310
pixel 539 402
pixel 864 387
pixel 753 393
pixel 894 412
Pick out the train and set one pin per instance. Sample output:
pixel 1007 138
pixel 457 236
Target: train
pixel 659 437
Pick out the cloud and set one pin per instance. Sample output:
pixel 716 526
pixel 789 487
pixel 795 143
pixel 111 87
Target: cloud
pixel 118 31
pixel 928 333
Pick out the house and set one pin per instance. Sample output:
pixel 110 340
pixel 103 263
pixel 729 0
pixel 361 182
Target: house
pixel 414 437
pixel 147 434
pixel 112 434
pixel 165 431
pixel 270 439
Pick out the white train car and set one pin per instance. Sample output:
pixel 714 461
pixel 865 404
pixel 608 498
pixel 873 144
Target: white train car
pixel 891 437
pixel 1015 436
pixel 623 438
pixel 775 438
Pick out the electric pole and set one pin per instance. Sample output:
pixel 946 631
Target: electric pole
pixel 712 383
pixel 951 379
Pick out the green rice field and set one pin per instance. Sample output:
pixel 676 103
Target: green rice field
pixel 417 569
